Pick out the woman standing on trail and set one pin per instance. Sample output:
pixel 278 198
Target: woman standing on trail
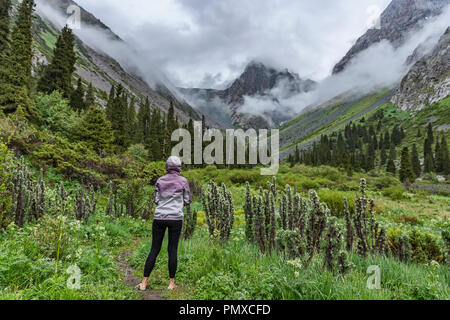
pixel 171 195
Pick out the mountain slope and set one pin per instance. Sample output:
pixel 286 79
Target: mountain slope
pixel 425 83
pixel 95 66
pixel 428 81
pixel 257 80
pixel 328 117
pixel 397 20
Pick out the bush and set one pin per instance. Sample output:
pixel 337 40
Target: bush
pixel 309 184
pixel 329 173
pixel 75 160
pixel 243 176
pixel 425 247
pixel 95 130
pixel 335 201
pixel 133 195
pixel 430 176
pixel 386 182
pixel 153 171
pixel 55 113
pixel 394 192
pixel 138 152
pixel 20 136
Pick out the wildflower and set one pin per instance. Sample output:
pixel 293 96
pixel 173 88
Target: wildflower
pixel 297 263
pixel 434 264
pixel 78 253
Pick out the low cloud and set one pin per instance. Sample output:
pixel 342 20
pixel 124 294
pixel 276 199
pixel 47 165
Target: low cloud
pixel 196 43
pixel 191 39
pixel 381 65
pixel 129 58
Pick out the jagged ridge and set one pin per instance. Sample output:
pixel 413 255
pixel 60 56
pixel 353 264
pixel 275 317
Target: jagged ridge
pixel 256 80
pixel 428 81
pixel 397 20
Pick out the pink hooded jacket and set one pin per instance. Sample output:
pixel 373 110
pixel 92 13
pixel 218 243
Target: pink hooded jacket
pixel 171 192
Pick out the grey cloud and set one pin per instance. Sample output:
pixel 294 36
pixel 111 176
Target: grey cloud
pixel 379 66
pixel 221 36
pixel 207 43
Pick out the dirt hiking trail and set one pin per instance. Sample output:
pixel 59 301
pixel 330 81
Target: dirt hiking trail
pixel 132 280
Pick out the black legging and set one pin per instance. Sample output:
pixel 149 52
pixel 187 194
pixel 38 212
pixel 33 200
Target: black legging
pixel 158 231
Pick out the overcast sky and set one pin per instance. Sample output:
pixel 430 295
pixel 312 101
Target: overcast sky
pixel 207 43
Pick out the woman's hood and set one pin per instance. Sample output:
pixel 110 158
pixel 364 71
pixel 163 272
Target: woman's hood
pixel 173 165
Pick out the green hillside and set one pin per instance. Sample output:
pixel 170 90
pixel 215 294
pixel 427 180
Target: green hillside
pixel 326 119
pixel 102 70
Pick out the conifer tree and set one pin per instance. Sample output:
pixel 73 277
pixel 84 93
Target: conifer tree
pixel 396 136
pixel 346 164
pixel 143 123
pixel 15 71
pixel 203 123
pixel 375 142
pixel 428 166
pixel 387 140
pixel 191 131
pixel 171 126
pixel 5 7
pixel 379 126
pixel 95 130
pixel 77 101
pixel 381 143
pixel 119 110
pixel 167 143
pixel 391 162
pixel 356 162
pixel 109 104
pixel 430 134
pixel 362 161
pixel 370 159
pixel 58 74
pixel 402 134
pixel 392 152
pixel 437 152
pixel 131 120
pixel 156 138
pixel 90 96
pixel 406 170
pixel 445 164
pixel 391 166
pixel 441 155
pixel 428 154
pixel 171 121
pixel 291 160
pixel 383 156
pixel 297 155
pixel 415 161
pixel 371 131
pixel 340 149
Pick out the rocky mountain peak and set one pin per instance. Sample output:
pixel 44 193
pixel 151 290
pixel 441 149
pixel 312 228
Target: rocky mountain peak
pixel 397 20
pixel 259 79
pixel 428 80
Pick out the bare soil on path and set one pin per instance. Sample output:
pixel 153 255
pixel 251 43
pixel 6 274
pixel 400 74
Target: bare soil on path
pixel 131 280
